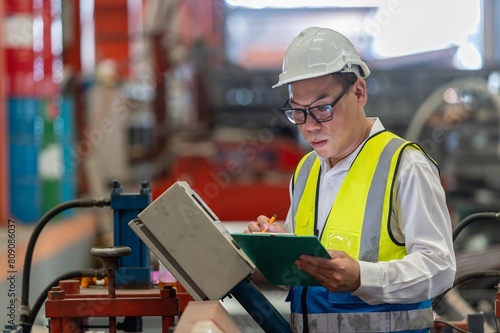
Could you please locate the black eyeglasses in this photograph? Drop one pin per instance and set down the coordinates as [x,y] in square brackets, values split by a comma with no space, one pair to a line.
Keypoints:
[320,113]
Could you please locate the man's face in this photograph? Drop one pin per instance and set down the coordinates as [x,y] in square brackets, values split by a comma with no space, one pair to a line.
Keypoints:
[335,139]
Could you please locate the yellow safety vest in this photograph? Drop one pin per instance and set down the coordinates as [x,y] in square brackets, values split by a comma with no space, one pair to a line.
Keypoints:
[358,222]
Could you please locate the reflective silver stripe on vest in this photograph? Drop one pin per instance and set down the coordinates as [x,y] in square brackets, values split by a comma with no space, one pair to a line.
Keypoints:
[370,234]
[365,321]
[300,184]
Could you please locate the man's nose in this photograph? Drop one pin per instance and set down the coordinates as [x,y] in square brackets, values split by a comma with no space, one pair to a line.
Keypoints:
[311,124]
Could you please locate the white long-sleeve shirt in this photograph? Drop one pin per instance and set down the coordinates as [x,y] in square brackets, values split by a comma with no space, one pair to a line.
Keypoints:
[419,218]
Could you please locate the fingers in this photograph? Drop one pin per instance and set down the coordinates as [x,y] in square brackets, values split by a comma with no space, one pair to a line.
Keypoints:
[310,263]
[316,266]
[316,271]
[342,273]
[276,227]
[253,227]
[263,220]
[259,225]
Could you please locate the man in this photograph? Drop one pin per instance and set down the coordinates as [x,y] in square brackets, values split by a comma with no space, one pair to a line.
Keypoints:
[374,200]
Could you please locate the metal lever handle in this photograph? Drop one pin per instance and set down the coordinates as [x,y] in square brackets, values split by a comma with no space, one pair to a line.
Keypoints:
[110,255]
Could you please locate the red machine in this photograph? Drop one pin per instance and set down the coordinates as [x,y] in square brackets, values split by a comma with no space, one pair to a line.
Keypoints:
[240,181]
[69,307]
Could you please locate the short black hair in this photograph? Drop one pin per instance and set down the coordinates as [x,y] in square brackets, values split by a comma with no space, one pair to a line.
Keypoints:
[344,78]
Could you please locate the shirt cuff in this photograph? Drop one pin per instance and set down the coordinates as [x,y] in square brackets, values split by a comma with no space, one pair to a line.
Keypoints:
[371,276]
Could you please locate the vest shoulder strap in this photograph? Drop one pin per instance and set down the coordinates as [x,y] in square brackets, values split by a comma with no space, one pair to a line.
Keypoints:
[300,178]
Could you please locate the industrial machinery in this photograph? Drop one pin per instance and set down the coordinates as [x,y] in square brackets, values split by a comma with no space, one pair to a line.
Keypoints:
[475,322]
[190,240]
[459,125]
[129,293]
[68,308]
[135,269]
[127,269]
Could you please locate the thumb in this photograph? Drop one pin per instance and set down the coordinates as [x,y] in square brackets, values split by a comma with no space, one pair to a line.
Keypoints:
[276,227]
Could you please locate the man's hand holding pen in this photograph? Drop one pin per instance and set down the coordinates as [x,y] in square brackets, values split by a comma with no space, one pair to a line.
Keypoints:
[265,224]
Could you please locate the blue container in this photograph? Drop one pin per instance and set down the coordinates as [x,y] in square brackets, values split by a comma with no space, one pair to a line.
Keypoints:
[25,135]
[70,161]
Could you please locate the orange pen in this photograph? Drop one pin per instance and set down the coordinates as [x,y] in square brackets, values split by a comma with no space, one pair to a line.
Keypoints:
[271,220]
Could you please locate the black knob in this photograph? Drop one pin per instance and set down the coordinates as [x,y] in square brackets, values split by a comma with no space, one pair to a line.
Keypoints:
[110,255]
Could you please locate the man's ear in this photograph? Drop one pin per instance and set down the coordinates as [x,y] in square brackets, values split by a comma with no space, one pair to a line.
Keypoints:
[360,91]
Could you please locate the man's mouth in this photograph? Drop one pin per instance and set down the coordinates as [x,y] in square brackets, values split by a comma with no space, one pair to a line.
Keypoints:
[318,144]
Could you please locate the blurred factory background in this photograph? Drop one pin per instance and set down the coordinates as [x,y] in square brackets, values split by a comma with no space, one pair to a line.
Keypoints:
[94,91]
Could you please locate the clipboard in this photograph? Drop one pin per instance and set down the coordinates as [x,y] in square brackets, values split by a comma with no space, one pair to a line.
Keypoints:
[275,255]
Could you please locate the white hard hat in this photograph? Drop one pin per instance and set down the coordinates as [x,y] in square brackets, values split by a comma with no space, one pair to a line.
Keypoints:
[317,52]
